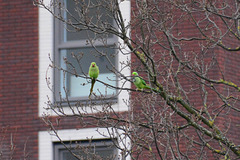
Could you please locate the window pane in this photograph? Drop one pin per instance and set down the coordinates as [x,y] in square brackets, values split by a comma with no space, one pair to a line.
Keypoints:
[66,155]
[78,86]
[96,15]
[99,149]
[103,152]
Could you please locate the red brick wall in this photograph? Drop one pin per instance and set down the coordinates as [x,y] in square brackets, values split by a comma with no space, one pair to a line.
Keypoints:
[19,77]
[227,65]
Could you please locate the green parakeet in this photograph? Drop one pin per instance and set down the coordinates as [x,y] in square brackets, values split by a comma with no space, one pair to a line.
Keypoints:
[93,74]
[139,82]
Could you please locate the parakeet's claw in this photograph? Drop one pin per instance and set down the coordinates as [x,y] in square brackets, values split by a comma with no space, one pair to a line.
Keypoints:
[137,89]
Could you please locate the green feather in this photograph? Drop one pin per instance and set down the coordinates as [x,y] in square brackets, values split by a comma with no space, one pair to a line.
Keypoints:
[139,82]
[93,74]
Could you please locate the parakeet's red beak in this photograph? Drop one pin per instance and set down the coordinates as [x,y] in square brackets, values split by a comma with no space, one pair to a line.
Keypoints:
[93,65]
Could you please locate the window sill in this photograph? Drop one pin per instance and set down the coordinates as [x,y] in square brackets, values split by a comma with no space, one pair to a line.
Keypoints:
[86,107]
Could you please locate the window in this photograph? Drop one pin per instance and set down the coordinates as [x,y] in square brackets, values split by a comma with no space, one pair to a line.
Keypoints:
[100,136]
[96,149]
[51,43]
[74,53]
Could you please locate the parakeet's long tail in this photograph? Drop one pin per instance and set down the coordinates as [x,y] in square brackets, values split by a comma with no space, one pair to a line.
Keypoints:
[91,90]
[148,87]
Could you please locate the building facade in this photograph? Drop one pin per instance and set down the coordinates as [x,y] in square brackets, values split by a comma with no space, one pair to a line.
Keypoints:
[30,39]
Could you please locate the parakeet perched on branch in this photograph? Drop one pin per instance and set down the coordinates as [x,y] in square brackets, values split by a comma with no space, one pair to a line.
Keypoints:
[139,82]
[93,74]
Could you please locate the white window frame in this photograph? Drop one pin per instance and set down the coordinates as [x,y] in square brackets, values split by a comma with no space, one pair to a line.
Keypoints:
[46,139]
[64,45]
[46,49]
